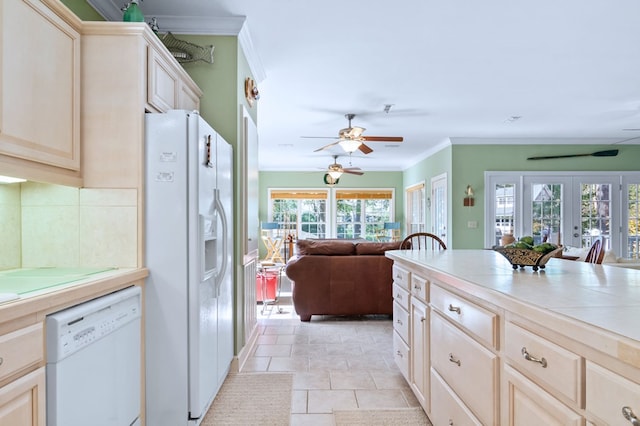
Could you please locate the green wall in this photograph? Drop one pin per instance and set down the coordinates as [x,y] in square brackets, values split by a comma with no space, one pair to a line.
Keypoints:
[83,10]
[467,164]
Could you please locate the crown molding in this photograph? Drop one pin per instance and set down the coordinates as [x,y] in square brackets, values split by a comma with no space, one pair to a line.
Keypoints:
[198,25]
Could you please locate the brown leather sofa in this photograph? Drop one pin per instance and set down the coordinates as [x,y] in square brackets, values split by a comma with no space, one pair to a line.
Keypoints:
[339,277]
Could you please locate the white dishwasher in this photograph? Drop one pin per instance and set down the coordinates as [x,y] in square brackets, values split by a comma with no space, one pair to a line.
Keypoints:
[93,362]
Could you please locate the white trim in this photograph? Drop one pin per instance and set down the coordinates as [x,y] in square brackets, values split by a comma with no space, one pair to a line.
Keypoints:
[197,25]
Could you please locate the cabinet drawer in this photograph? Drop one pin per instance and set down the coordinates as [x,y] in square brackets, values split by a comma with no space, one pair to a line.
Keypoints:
[401,296]
[555,367]
[607,393]
[477,320]
[401,321]
[401,276]
[21,349]
[401,354]
[468,368]
[527,403]
[420,287]
[447,408]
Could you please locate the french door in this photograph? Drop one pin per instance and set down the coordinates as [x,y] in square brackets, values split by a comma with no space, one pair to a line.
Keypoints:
[563,207]
[572,210]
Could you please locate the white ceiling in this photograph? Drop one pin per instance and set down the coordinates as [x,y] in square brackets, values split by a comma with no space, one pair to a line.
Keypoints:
[454,70]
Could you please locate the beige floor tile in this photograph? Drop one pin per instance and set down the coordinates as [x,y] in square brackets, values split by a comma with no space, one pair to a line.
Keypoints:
[389,379]
[270,339]
[312,380]
[352,379]
[339,363]
[379,399]
[289,364]
[299,402]
[328,363]
[273,350]
[254,365]
[312,420]
[325,401]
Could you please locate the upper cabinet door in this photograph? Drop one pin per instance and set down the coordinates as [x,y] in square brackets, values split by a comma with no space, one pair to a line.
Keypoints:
[40,82]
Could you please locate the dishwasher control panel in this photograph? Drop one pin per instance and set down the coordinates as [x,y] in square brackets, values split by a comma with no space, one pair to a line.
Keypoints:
[72,329]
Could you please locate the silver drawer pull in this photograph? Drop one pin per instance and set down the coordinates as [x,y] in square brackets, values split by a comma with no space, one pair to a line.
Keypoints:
[399,322]
[627,412]
[398,296]
[455,309]
[454,360]
[399,354]
[1,360]
[417,287]
[423,319]
[529,357]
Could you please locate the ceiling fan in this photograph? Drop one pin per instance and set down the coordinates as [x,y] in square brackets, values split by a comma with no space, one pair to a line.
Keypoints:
[351,139]
[336,170]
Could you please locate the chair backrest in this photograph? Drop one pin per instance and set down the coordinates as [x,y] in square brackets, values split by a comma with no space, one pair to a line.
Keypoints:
[422,241]
[596,252]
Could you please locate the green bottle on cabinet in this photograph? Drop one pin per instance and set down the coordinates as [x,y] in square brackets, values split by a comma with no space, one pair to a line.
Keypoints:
[133,13]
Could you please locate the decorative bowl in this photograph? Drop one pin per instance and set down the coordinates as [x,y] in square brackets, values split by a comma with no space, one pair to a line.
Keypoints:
[519,258]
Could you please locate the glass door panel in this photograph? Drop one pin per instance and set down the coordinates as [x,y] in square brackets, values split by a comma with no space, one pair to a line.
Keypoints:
[631,235]
[547,205]
[439,207]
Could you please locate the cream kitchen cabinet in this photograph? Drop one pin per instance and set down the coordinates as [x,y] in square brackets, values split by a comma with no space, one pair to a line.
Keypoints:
[22,396]
[22,402]
[40,91]
[521,348]
[126,72]
[419,379]
[401,327]
[167,88]
[611,398]
[528,404]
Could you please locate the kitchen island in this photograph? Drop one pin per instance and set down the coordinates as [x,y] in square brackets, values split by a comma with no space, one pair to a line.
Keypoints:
[22,336]
[482,343]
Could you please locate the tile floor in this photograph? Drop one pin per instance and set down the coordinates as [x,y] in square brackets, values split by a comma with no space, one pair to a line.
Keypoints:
[337,362]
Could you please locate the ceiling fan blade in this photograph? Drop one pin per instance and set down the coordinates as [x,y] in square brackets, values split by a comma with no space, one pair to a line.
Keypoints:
[326,146]
[608,153]
[318,137]
[352,172]
[383,138]
[365,149]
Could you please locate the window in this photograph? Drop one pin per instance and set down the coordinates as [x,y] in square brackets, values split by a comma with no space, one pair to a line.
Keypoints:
[358,213]
[302,212]
[362,213]
[415,202]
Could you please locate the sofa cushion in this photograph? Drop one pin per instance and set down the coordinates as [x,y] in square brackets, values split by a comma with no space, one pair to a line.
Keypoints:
[376,248]
[325,247]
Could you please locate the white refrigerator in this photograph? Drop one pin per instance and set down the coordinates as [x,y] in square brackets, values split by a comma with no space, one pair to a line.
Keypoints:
[189,254]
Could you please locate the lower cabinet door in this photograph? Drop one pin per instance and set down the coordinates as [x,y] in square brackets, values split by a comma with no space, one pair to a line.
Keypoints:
[22,402]
[614,399]
[420,349]
[447,408]
[527,404]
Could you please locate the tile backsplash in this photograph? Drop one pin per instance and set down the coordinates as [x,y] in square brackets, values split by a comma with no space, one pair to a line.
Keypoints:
[54,225]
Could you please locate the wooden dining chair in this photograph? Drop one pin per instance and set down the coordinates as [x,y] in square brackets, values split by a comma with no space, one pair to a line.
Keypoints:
[422,241]
[596,252]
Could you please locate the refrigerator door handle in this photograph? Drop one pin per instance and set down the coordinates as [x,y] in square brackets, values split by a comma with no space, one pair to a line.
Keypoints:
[223,218]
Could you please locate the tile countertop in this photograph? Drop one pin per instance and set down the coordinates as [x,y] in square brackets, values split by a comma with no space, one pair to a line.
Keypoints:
[69,292]
[601,296]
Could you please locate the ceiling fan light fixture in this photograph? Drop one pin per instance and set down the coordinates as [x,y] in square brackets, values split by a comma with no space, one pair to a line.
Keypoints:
[335,174]
[350,145]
